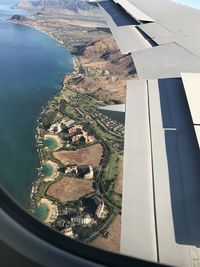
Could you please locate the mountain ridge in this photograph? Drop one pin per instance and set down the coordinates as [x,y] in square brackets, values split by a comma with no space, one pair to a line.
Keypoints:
[75,6]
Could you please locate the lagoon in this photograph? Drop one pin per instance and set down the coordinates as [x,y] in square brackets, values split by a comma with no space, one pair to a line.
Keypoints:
[47,170]
[41,212]
[50,143]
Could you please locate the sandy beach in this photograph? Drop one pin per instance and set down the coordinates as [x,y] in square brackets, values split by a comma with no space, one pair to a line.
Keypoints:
[54,174]
[57,138]
[52,210]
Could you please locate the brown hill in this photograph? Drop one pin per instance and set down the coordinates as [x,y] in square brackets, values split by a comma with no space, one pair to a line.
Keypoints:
[72,6]
[25,4]
[104,70]
[105,53]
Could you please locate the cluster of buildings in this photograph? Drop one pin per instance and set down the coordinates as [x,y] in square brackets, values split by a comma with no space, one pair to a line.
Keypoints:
[86,220]
[68,232]
[75,133]
[60,126]
[101,210]
[91,72]
[83,220]
[107,124]
[78,134]
[81,217]
[92,115]
[72,132]
[85,172]
[111,126]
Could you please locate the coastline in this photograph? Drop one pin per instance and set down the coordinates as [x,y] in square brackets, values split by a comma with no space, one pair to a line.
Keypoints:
[54,173]
[60,43]
[56,138]
[46,190]
[52,208]
[35,184]
[63,87]
[33,27]
[45,81]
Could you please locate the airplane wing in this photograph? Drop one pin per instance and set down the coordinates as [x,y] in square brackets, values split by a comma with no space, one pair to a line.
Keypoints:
[161,187]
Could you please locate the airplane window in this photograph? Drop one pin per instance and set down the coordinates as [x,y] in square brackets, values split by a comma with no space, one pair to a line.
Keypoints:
[100,131]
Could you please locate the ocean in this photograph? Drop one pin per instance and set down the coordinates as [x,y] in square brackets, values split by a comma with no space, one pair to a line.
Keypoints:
[32,66]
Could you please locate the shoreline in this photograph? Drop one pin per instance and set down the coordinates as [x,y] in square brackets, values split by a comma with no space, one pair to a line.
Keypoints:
[60,43]
[49,191]
[33,27]
[36,183]
[54,174]
[56,138]
[52,210]
[42,31]
[38,195]
[48,207]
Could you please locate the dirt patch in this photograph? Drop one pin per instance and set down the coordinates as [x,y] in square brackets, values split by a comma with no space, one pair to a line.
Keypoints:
[85,156]
[70,189]
[113,242]
[119,181]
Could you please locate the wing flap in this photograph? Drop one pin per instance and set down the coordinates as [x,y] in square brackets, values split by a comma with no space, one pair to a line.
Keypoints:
[122,27]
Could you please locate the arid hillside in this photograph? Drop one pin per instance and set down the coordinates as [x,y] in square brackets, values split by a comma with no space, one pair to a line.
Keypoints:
[105,53]
[70,6]
[104,71]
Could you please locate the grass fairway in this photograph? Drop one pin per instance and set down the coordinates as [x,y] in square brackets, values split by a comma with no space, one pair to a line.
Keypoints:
[117,199]
[102,134]
[110,178]
[112,168]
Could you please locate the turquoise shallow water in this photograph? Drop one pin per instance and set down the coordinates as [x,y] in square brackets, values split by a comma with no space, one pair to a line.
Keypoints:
[31,68]
[47,170]
[41,212]
[50,143]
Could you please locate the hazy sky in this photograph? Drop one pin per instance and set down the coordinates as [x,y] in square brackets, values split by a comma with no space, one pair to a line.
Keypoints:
[192,3]
[8,2]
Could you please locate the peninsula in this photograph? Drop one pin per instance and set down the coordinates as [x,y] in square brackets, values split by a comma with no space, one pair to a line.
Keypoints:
[80,149]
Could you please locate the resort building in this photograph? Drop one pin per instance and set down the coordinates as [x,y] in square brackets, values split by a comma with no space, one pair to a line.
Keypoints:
[60,126]
[86,172]
[75,128]
[55,128]
[72,169]
[90,174]
[100,211]
[87,220]
[78,134]
[68,232]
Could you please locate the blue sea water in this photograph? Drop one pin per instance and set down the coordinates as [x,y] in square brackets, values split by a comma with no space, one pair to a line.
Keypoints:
[31,68]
